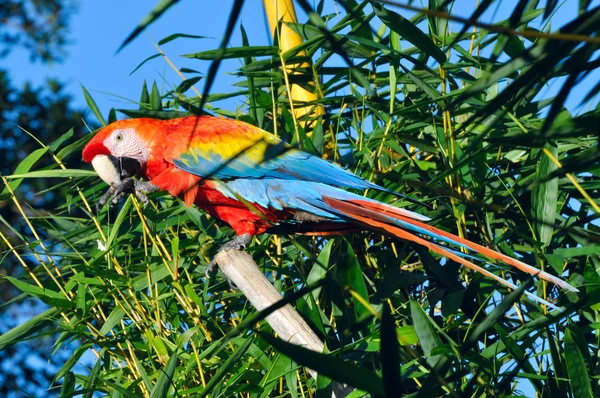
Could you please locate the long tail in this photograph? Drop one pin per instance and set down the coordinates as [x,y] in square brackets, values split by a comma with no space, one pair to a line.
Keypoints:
[398,222]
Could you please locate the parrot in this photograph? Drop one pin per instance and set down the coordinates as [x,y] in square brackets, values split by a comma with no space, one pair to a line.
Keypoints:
[257,183]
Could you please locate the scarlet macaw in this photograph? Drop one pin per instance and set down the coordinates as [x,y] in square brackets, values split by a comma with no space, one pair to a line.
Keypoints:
[256,183]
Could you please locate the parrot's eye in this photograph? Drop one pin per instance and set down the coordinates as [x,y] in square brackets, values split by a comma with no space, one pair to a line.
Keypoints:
[119,137]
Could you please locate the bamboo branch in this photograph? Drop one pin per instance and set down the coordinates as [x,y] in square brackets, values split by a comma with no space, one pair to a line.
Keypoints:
[239,268]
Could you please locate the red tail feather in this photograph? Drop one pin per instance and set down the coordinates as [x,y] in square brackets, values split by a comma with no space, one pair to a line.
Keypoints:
[373,214]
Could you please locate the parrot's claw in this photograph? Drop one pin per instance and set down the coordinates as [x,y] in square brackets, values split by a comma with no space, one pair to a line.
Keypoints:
[240,242]
[104,199]
[125,187]
[142,188]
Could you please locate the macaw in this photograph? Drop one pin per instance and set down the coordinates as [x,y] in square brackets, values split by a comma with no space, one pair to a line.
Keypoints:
[256,183]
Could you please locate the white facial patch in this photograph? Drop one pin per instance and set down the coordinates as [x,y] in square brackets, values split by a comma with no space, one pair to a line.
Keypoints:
[106,170]
[125,143]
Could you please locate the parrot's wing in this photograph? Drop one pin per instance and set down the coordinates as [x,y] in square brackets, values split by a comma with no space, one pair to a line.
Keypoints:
[268,161]
[256,156]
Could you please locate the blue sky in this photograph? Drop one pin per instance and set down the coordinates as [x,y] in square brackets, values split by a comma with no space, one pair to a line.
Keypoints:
[99,28]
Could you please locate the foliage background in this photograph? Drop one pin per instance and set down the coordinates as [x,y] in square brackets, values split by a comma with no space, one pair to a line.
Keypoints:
[459,119]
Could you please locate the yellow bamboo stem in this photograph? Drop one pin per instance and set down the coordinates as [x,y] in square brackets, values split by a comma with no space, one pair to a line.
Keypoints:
[283,11]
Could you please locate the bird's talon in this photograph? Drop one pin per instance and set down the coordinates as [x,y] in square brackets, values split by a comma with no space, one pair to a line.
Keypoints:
[104,199]
[128,185]
[211,269]
[240,242]
[142,197]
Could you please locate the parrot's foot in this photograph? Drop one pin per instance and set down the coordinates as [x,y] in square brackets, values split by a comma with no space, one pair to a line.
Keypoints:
[240,242]
[126,186]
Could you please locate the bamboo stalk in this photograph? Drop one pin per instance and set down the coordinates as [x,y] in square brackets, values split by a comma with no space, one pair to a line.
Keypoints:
[240,268]
[283,11]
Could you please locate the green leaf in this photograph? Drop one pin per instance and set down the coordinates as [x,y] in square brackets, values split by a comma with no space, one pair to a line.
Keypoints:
[514,47]
[348,47]
[156,12]
[59,173]
[33,290]
[592,283]
[187,84]
[220,373]
[54,145]
[92,379]
[68,386]
[93,107]
[112,116]
[320,268]
[28,328]
[155,98]
[407,335]
[350,275]
[165,380]
[165,115]
[334,368]
[409,32]
[142,64]
[578,373]
[72,361]
[144,97]
[498,312]
[430,91]
[74,147]
[123,212]
[112,320]
[544,197]
[23,167]
[428,337]
[179,35]
[237,52]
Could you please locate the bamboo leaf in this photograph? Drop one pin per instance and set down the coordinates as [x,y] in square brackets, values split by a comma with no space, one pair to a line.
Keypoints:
[330,366]
[142,64]
[428,337]
[67,173]
[578,373]
[112,320]
[157,11]
[165,380]
[236,52]
[179,36]
[28,328]
[93,107]
[409,32]
[237,354]
[545,197]
[23,167]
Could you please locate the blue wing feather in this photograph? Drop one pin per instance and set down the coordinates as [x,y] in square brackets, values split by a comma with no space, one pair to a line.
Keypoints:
[289,164]
[298,195]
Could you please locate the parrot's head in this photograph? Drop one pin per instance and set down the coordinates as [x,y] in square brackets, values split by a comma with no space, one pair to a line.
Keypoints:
[119,150]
